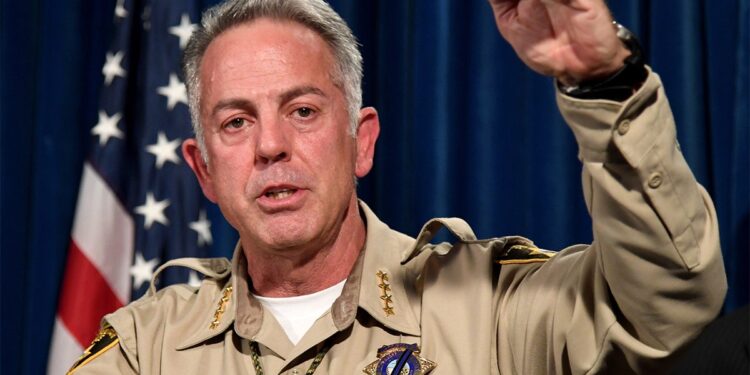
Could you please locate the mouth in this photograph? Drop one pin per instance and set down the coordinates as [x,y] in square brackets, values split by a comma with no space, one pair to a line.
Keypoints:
[281,198]
[279,193]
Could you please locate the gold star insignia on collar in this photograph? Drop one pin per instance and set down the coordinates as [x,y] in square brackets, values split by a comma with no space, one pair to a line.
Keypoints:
[221,307]
[385,292]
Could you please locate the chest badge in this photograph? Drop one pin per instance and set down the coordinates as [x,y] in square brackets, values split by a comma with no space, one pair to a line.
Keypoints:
[399,359]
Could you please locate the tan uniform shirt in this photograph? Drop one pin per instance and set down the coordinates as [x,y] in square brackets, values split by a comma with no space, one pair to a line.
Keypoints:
[652,278]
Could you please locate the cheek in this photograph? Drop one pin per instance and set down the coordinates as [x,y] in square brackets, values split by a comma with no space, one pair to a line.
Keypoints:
[230,167]
[229,183]
[340,167]
[331,154]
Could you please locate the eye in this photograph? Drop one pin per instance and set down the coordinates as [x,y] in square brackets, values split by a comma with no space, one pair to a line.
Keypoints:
[304,112]
[236,123]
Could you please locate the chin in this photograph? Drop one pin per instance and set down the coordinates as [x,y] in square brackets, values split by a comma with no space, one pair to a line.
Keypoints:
[283,237]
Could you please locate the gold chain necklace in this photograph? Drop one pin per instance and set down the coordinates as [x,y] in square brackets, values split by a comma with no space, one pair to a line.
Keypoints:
[254,354]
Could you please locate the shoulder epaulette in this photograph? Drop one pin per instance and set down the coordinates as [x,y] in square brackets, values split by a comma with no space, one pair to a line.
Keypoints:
[214,268]
[523,253]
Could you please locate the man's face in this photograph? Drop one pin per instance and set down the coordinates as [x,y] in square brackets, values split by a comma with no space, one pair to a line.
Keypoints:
[281,159]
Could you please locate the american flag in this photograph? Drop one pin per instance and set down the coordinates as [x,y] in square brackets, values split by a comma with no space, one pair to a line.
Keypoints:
[139,204]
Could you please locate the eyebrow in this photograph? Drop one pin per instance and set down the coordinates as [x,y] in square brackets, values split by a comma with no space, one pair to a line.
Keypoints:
[295,92]
[233,103]
[284,97]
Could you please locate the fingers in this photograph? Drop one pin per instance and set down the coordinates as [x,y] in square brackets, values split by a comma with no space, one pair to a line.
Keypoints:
[504,9]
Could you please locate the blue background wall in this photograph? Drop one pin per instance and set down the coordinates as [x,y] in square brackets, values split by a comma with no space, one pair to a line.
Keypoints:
[467,131]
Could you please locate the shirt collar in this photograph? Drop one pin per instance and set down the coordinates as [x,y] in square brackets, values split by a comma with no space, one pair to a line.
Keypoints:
[216,301]
[392,305]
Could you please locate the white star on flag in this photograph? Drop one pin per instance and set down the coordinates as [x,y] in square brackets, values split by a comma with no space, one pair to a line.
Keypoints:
[193,279]
[142,270]
[183,30]
[164,150]
[203,227]
[175,91]
[112,67]
[153,211]
[120,10]
[107,128]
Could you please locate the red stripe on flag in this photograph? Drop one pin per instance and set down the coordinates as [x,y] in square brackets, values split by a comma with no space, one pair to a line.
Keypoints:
[85,297]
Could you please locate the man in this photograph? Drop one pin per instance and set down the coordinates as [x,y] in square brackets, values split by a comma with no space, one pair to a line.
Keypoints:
[319,285]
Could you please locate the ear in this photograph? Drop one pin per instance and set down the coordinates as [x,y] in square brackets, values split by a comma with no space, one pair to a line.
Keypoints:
[194,157]
[367,134]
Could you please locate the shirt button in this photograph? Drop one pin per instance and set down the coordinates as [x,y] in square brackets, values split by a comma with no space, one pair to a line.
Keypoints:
[654,181]
[295,372]
[623,127]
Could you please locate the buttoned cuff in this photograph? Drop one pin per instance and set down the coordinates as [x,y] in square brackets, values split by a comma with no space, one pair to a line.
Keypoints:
[616,132]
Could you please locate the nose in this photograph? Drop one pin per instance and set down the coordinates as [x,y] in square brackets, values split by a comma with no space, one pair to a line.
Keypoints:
[272,143]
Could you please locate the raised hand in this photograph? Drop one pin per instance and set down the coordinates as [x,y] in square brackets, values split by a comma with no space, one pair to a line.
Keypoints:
[571,40]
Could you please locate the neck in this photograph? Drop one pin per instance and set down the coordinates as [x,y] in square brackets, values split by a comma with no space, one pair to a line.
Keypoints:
[309,270]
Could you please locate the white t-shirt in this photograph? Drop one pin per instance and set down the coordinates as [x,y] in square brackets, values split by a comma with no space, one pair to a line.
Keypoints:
[297,314]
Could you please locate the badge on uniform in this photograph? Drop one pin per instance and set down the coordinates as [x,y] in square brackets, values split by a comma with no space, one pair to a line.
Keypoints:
[104,340]
[399,359]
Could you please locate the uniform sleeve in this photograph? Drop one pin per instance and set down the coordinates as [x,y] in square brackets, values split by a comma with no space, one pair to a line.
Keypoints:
[653,276]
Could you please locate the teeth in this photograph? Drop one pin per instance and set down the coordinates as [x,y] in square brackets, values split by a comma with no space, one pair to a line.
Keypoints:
[281,194]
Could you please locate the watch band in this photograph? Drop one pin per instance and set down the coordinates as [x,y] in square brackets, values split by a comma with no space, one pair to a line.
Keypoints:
[623,83]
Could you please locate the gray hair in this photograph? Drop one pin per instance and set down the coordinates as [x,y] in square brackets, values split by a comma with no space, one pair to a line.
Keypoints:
[314,14]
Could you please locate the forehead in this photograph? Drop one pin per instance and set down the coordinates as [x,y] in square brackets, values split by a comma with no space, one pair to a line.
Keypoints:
[265,50]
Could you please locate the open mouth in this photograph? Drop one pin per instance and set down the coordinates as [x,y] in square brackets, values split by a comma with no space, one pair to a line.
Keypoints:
[279,194]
